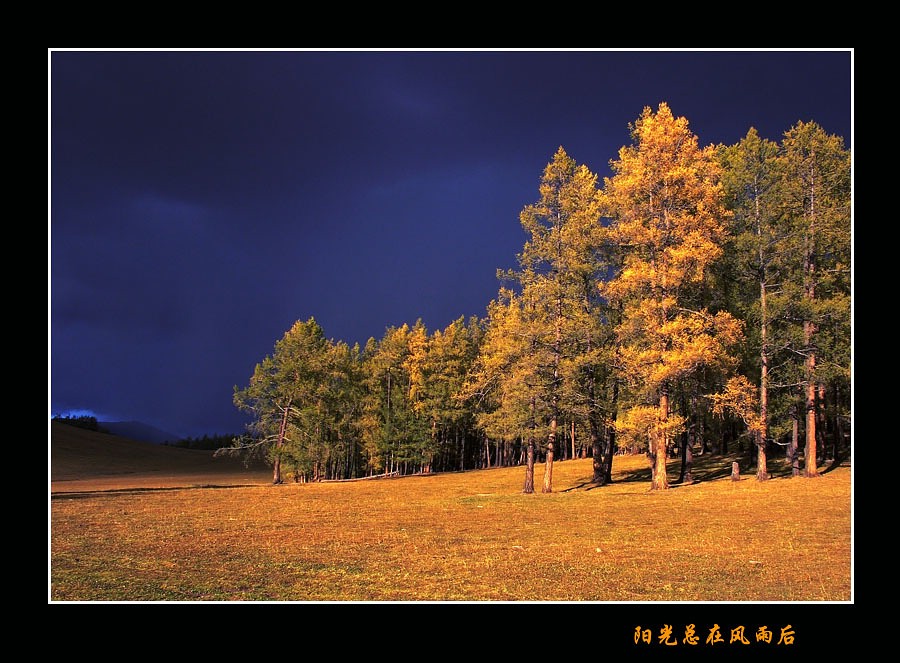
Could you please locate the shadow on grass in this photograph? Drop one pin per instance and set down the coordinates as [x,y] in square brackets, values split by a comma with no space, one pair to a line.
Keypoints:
[710,467]
[75,495]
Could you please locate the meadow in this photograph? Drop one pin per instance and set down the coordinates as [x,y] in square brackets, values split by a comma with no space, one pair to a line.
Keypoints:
[204,532]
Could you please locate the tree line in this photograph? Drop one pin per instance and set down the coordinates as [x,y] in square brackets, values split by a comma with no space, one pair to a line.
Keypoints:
[205,443]
[86,422]
[694,297]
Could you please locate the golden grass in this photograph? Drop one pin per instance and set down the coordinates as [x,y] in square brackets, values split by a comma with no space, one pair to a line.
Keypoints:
[470,536]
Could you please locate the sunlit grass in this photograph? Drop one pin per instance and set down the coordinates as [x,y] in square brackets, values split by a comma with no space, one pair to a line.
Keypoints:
[469,536]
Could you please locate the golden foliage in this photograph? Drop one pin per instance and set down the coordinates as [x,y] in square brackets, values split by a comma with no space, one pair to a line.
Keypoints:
[739,397]
[669,215]
[640,426]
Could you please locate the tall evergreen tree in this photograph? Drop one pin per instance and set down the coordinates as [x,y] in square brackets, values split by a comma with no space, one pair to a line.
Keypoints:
[816,171]
[450,355]
[588,257]
[755,252]
[395,435]
[285,396]
[504,386]
[344,406]
[557,268]
[665,201]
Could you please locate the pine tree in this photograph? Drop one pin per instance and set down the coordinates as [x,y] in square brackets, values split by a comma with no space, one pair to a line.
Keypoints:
[557,270]
[285,397]
[588,381]
[439,383]
[665,200]
[816,171]
[395,437]
[344,407]
[755,253]
[504,387]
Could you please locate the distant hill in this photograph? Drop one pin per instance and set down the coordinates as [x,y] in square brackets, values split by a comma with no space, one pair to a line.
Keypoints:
[136,430]
[76,453]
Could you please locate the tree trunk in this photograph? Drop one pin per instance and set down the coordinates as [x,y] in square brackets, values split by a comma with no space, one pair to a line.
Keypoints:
[529,454]
[809,330]
[687,459]
[573,441]
[838,427]
[610,441]
[794,447]
[687,451]
[276,471]
[762,472]
[810,467]
[701,434]
[529,467]
[693,433]
[548,461]
[434,445]
[597,455]
[557,348]
[821,422]
[688,462]
[660,481]
[276,468]
[599,476]
[609,450]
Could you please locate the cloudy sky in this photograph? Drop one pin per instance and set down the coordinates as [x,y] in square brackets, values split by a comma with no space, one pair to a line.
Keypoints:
[200,202]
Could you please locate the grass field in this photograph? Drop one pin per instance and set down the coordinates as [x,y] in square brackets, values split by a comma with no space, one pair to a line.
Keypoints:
[182,528]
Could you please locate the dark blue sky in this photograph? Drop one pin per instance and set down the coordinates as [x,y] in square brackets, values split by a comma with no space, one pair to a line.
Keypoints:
[201,202]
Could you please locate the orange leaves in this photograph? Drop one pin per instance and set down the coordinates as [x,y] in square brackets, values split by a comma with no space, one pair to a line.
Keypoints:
[739,397]
[662,342]
[415,364]
[669,216]
[641,425]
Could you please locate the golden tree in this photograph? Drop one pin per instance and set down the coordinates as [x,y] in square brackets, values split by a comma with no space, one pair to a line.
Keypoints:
[666,205]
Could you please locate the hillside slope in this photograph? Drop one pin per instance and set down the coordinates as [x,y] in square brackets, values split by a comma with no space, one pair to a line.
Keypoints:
[136,430]
[79,454]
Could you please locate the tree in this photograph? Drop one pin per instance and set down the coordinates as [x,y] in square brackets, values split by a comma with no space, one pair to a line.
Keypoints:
[665,201]
[344,406]
[502,386]
[587,257]
[393,351]
[82,421]
[438,369]
[557,270]
[756,245]
[395,435]
[541,278]
[816,171]
[284,396]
